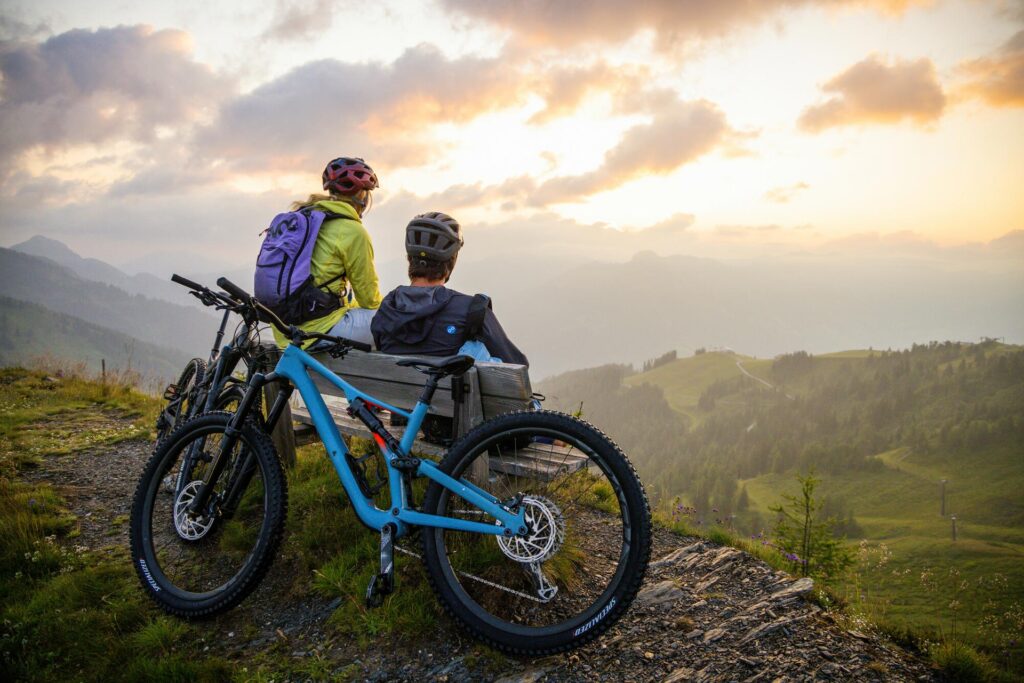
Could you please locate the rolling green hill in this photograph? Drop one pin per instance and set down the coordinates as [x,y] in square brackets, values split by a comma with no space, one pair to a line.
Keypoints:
[29,331]
[44,282]
[880,428]
[685,379]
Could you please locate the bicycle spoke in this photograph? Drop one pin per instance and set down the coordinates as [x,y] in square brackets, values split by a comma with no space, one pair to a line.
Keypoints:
[569,558]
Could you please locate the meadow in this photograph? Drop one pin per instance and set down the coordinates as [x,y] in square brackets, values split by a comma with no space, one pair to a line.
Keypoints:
[881,430]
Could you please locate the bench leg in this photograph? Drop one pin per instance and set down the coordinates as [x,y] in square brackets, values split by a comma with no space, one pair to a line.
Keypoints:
[479,472]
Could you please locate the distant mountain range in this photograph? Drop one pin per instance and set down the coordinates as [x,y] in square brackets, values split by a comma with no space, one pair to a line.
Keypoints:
[595,313]
[565,312]
[29,331]
[99,271]
[187,329]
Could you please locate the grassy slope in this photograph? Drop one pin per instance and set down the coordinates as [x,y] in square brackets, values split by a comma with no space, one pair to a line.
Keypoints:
[897,506]
[29,331]
[683,380]
[899,509]
[70,615]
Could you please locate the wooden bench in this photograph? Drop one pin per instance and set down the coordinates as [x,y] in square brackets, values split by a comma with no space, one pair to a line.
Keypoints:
[487,390]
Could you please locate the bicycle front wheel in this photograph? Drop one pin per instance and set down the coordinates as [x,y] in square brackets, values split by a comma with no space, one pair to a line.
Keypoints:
[198,566]
[582,562]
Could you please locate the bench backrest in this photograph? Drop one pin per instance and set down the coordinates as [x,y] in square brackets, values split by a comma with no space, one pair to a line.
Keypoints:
[494,388]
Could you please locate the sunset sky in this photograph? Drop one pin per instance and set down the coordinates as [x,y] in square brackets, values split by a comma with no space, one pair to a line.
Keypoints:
[148,133]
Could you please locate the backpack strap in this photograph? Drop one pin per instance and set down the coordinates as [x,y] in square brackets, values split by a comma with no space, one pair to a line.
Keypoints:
[478,308]
[328,215]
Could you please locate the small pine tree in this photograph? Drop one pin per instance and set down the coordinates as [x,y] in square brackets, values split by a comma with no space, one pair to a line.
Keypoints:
[805,538]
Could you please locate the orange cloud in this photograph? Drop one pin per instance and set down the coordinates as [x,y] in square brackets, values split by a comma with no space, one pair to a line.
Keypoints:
[998,79]
[679,133]
[564,89]
[382,112]
[544,22]
[874,91]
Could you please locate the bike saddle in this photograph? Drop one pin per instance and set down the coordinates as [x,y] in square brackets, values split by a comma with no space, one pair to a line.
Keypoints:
[442,367]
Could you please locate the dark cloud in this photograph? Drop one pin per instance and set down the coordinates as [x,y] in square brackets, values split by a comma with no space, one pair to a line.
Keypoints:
[294,21]
[785,194]
[875,91]
[87,86]
[999,78]
[544,22]
[679,133]
[373,110]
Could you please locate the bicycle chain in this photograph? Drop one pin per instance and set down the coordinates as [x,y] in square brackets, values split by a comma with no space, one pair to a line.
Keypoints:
[477,578]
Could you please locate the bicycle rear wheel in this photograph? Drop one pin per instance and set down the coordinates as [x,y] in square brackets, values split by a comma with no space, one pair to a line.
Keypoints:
[584,559]
[198,567]
[186,401]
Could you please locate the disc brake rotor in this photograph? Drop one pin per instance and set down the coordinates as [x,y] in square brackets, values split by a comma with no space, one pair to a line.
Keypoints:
[546,532]
[188,528]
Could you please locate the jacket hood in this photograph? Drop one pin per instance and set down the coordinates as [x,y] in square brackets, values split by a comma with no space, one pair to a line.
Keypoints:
[335,206]
[408,314]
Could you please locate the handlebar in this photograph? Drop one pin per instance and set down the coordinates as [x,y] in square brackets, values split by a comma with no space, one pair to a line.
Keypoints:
[211,298]
[233,289]
[245,302]
[345,341]
[186,282]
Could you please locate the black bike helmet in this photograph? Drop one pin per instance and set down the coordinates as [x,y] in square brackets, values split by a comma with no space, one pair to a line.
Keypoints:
[433,236]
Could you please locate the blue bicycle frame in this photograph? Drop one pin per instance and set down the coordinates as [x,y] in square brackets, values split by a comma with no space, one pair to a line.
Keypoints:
[295,365]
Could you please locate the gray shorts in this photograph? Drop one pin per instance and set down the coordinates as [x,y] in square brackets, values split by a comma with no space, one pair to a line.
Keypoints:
[355,325]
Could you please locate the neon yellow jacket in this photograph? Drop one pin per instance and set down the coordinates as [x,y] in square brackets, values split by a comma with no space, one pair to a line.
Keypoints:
[343,248]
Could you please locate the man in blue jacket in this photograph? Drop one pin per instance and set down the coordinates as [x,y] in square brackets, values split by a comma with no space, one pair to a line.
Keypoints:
[425,317]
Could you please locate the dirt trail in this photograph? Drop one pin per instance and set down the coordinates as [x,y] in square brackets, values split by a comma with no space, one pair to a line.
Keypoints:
[706,613]
[739,364]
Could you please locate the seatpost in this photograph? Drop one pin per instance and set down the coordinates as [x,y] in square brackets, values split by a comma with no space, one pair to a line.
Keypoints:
[429,388]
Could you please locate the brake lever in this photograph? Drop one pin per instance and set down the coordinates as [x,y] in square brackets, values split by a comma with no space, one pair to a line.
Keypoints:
[338,350]
[205,298]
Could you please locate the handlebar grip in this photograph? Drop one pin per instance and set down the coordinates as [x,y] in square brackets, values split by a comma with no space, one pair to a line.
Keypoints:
[233,289]
[359,346]
[186,282]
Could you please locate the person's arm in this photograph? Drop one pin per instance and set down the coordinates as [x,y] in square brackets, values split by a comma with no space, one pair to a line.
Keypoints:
[498,343]
[357,257]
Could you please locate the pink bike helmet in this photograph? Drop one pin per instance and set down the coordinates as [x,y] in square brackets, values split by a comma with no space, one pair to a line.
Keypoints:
[348,176]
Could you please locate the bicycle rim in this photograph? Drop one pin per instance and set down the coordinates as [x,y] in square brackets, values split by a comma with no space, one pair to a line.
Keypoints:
[196,559]
[567,570]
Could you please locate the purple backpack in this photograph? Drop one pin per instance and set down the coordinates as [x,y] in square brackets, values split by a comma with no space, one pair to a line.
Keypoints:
[284,282]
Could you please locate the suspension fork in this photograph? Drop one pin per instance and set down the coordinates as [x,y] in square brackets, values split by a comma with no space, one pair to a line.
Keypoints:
[243,474]
[231,434]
